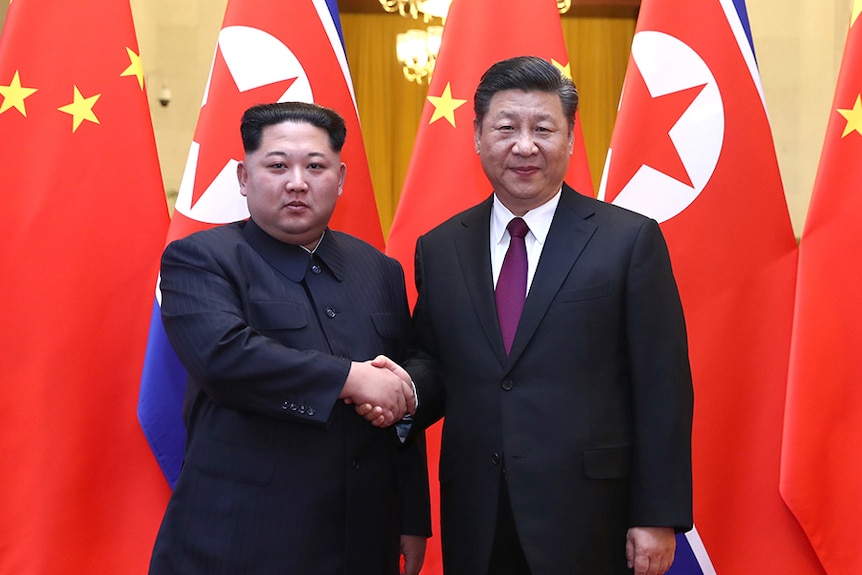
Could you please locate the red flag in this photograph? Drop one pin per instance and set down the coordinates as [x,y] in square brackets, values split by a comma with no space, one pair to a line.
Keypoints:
[445,175]
[272,51]
[821,472]
[85,224]
[692,148]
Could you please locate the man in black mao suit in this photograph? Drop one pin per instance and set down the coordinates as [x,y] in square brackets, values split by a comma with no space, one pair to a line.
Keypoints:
[276,319]
[570,452]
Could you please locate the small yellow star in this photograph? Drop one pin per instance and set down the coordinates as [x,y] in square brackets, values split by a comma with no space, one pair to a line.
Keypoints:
[564,70]
[853,117]
[857,9]
[81,109]
[14,95]
[445,106]
[135,68]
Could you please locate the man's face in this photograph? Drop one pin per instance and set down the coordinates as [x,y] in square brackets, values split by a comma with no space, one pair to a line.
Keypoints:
[524,143]
[292,182]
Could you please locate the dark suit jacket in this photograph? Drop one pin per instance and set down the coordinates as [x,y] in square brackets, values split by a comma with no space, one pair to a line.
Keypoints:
[590,413]
[280,476]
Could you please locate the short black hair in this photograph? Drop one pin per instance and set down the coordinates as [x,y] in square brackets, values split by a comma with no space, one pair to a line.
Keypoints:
[256,118]
[527,73]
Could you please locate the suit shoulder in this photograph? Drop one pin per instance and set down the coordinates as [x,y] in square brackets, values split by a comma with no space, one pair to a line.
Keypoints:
[354,246]
[607,212]
[214,236]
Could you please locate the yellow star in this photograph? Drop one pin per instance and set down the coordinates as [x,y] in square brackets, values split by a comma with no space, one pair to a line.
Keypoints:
[445,106]
[81,109]
[14,95]
[853,117]
[135,68]
[564,70]
[857,9]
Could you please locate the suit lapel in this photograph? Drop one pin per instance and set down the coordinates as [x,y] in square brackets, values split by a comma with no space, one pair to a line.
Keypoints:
[474,256]
[570,232]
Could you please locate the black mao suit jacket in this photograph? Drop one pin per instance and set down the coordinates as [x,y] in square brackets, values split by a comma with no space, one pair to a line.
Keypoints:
[590,414]
[280,476]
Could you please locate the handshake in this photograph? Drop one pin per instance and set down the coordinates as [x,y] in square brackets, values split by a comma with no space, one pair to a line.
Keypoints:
[381,391]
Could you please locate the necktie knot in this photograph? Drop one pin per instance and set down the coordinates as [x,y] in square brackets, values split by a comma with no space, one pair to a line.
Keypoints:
[517,228]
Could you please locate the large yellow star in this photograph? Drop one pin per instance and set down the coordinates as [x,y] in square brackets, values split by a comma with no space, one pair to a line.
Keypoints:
[135,67]
[14,95]
[853,117]
[445,106]
[564,70]
[81,109]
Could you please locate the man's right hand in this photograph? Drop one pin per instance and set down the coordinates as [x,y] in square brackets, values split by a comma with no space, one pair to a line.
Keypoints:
[385,395]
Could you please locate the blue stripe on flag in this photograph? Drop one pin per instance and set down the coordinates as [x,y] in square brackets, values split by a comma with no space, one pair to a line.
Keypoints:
[685,562]
[160,402]
[743,18]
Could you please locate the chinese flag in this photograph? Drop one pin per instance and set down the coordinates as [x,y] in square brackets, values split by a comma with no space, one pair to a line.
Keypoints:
[821,471]
[267,51]
[692,148]
[445,175]
[85,224]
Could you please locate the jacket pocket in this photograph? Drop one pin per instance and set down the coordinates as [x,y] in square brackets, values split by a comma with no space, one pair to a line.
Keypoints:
[276,315]
[585,293]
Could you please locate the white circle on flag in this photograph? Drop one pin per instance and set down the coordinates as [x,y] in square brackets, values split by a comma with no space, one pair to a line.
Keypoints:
[668,65]
[254,59]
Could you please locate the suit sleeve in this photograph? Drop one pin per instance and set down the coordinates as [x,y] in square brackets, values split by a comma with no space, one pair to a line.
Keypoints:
[235,364]
[662,395]
[421,363]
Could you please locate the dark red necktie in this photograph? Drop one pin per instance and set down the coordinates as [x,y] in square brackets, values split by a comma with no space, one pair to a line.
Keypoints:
[512,283]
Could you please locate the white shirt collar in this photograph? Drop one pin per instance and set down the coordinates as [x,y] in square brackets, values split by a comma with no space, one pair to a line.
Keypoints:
[538,219]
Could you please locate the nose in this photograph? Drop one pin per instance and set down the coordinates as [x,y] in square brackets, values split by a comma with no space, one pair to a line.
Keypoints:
[295,181]
[525,144]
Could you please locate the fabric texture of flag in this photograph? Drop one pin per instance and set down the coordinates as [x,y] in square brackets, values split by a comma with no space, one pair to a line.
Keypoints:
[445,175]
[820,469]
[692,148]
[86,219]
[267,51]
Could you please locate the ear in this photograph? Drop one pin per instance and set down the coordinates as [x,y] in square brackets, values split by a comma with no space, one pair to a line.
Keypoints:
[341,176]
[477,133]
[242,178]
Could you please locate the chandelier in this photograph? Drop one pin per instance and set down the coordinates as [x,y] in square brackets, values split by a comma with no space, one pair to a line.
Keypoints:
[417,49]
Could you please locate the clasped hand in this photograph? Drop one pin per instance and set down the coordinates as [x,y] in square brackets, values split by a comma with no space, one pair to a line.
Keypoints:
[381,391]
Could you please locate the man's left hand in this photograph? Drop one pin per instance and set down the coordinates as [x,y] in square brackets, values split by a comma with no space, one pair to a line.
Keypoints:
[650,550]
[413,550]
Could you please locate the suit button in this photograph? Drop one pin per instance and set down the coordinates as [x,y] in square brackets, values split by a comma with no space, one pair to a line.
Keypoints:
[507,384]
[285,405]
[330,312]
[315,269]
[310,411]
[356,466]
[495,459]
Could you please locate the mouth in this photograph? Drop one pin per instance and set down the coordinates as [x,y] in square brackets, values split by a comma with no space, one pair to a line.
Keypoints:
[524,170]
[295,206]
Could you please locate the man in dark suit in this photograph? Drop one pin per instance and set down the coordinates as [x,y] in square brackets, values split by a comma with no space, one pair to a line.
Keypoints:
[567,430]
[276,319]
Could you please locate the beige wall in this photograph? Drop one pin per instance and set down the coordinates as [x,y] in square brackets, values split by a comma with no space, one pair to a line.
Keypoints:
[798,43]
